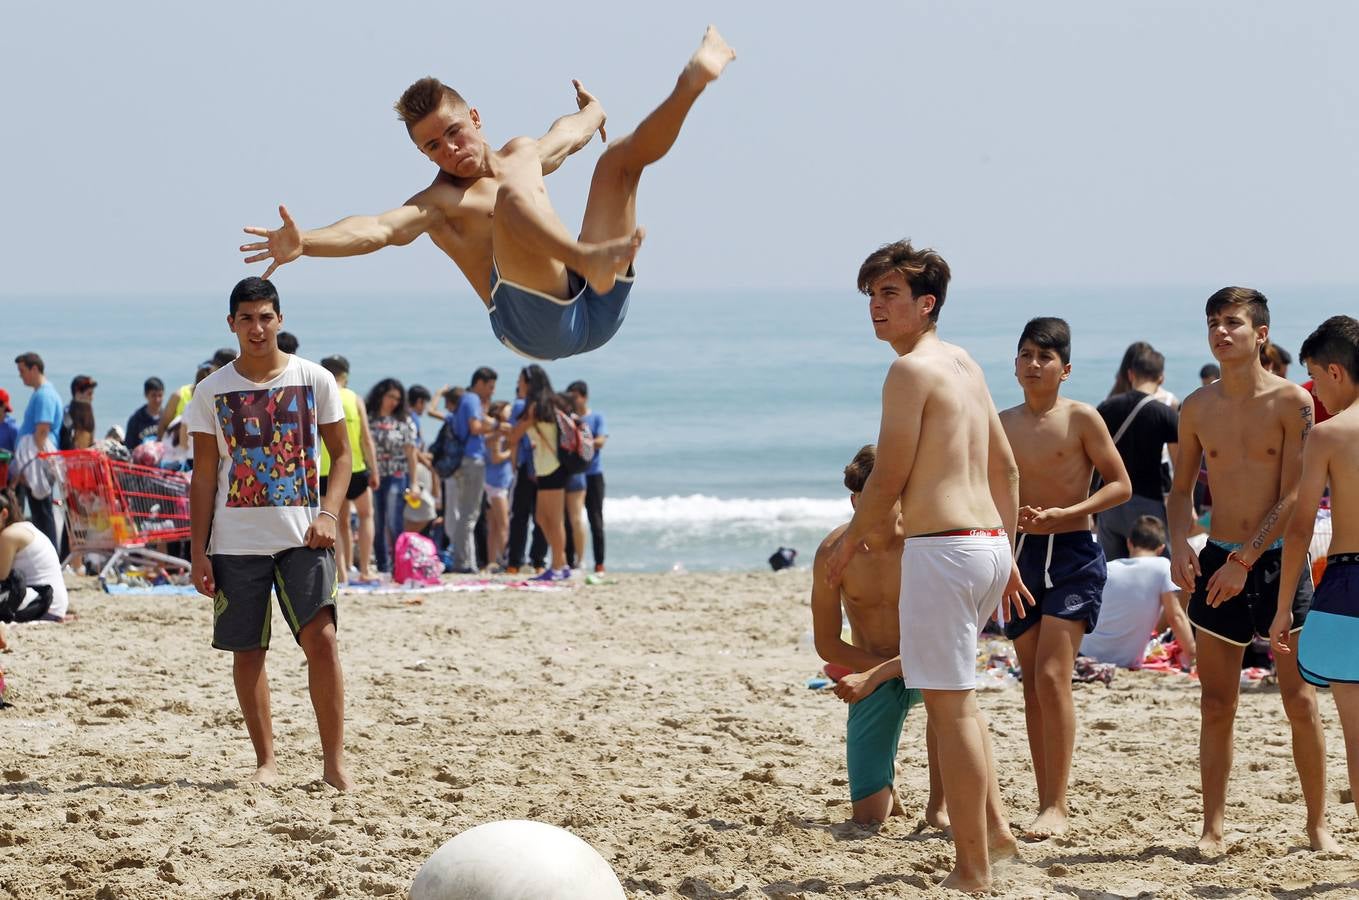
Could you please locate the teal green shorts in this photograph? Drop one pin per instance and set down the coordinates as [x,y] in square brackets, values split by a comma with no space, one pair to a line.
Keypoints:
[872,736]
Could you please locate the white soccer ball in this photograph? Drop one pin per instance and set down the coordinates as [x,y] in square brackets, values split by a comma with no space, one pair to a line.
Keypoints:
[516,860]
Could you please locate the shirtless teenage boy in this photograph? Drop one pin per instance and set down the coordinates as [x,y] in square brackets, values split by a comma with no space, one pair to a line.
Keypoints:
[1325,648]
[878,699]
[1056,442]
[942,454]
[1251,425]
[549,295]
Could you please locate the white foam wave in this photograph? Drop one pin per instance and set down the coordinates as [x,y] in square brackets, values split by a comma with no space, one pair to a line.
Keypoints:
[700,509]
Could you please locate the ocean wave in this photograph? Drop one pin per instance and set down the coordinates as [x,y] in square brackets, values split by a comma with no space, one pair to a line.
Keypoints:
[700,509]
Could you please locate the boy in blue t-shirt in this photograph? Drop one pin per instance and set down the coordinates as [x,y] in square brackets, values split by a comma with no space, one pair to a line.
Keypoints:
[42,420]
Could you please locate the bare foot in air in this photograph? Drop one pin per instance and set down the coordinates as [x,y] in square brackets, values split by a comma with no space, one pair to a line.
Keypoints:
[1050,823]
[709,59]
[337,777]
[600,264]
[265,774]
[1321,840]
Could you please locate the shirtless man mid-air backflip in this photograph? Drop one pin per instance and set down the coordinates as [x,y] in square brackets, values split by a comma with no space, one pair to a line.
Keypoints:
[549,295]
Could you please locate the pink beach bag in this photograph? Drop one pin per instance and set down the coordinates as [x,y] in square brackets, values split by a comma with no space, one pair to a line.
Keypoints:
[416,559]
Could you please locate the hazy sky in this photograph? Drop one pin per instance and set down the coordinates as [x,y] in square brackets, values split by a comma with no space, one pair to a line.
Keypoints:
[1046,142]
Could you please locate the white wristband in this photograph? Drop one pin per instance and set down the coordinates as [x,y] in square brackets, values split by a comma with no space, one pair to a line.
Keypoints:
[326,512]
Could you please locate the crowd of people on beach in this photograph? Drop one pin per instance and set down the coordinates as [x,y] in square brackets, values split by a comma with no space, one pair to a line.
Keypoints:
[472,491]
[1077,529]
[1143,513]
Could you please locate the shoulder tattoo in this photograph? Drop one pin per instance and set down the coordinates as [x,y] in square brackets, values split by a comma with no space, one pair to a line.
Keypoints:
[1306,421]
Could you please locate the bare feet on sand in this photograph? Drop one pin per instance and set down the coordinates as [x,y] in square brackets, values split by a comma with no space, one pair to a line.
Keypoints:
[265,774]
[709,59]
[338,778]
[1211,845]
[1321,840]
[936,817]
[1049,823]
[1002,846]
[968,884]
[600,264]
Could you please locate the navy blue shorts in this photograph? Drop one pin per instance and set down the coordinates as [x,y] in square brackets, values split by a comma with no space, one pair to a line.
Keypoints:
[1326,646]
[1065,573]
[1250,613]
[541,326]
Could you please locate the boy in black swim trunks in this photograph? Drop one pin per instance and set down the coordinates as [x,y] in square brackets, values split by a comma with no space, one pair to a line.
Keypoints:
[1325,649]
[260,523]
[1249,427]
[1057,443]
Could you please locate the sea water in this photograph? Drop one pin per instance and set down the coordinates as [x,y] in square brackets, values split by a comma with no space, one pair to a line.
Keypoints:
[731,415]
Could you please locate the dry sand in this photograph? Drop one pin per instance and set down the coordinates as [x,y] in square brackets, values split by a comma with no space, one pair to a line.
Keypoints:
[662,718]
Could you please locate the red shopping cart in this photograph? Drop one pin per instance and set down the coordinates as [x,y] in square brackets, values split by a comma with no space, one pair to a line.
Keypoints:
[120,508]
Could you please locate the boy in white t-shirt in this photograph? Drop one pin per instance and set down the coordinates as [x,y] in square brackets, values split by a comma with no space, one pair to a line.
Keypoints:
[257,424]
[1137,591]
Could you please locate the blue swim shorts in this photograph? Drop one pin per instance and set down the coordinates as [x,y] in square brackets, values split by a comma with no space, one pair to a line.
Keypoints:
[872,736]
[541,326]
[1065,573]
[1326,647]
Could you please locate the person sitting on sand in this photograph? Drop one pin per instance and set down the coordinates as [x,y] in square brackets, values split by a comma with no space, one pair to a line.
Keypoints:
[1137,593]
[1057,443]
[260,523]
[549,295]
[878,699]
[26,550]
[1325,648]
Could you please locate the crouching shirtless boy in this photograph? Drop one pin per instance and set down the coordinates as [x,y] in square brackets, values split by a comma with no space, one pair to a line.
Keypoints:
[878,699]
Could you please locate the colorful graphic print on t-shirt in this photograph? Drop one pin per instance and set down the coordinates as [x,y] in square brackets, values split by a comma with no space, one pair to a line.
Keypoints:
[271,438]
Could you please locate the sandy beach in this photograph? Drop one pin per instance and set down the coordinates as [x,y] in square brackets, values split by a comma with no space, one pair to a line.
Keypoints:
[662,718]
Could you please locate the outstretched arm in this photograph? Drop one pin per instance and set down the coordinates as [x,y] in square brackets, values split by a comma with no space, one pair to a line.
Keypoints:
[351,236]
[570,133]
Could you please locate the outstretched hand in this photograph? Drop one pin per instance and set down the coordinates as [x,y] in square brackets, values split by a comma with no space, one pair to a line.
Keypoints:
[583,99]
[282,245]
